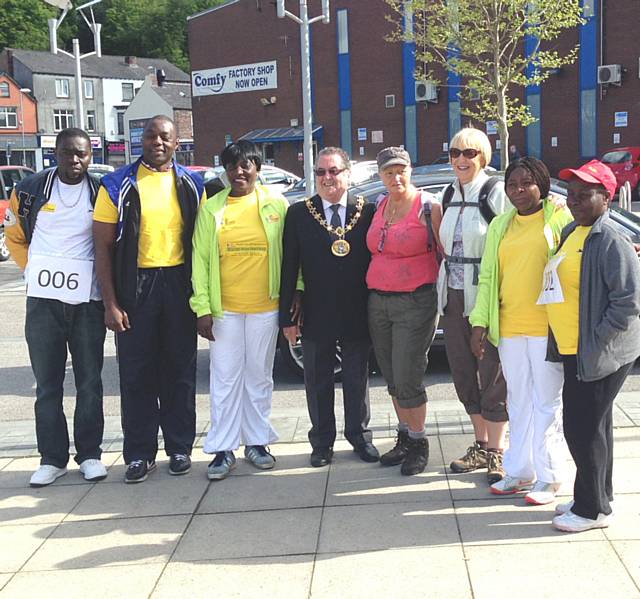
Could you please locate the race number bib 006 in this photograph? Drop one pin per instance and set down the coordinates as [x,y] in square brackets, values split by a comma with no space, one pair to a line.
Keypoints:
[551,289]
[65,279]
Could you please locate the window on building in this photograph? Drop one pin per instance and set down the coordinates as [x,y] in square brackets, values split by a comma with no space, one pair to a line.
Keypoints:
[390,101]
[62,119]
[91,120]
[88,89]
[8,117]
[62,88]
[127,92]
[120,115]
[4,90]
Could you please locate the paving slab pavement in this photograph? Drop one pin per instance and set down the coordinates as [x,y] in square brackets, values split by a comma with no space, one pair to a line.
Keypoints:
[350,530]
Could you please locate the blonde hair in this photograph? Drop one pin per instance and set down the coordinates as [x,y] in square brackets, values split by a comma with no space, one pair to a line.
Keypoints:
[470,137]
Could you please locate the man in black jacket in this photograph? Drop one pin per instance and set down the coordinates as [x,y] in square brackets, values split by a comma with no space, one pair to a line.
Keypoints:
[48,228]
[325,238]
[143,224]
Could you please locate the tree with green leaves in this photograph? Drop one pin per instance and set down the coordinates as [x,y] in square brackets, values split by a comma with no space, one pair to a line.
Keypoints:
[483,42]
[23,24]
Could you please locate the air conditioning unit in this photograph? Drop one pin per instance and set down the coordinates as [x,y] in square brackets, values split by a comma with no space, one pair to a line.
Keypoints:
[610,73]
[426,91]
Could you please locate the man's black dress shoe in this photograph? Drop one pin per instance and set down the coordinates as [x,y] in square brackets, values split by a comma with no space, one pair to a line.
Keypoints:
[367,452]
[321,456]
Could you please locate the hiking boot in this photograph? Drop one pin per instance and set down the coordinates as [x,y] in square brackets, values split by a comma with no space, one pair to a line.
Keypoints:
[475,458]
[395,456]
[495,471]
[259,457]
[417,456]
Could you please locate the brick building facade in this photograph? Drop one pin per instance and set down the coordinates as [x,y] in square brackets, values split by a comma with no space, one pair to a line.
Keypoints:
[363,89]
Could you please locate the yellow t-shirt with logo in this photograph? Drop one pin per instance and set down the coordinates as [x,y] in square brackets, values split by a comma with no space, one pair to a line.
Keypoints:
[522,256]
[244,260]
[161,222]
[564,317]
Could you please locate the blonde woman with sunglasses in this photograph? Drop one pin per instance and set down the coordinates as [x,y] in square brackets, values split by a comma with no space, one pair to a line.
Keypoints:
[479,383]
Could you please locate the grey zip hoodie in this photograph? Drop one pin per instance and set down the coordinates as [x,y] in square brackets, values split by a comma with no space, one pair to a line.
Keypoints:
[609,327]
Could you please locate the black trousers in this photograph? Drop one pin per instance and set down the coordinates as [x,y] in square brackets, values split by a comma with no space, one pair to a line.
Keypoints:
[157,362]
[588,429]
[319,361]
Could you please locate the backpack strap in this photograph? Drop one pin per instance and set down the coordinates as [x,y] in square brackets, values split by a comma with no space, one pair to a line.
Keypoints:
[446,197]
[432,244]
[483,199]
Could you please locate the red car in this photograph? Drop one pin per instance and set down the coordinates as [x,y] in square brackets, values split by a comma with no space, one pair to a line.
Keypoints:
[625,164]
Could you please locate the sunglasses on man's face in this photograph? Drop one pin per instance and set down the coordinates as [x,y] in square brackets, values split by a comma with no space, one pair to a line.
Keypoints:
[333,171]
[469,153]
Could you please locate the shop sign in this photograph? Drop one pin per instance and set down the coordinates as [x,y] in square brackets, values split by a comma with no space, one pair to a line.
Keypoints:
[239,78]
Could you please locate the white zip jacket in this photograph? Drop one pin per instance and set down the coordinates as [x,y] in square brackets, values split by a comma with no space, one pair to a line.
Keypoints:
[474,233]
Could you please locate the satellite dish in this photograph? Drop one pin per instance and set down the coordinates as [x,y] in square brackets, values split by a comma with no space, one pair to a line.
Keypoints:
[61,4]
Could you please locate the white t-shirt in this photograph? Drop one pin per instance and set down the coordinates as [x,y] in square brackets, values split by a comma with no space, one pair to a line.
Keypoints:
[64,227]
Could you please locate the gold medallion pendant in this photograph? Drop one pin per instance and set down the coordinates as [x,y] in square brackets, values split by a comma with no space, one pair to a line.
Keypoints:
[340,247]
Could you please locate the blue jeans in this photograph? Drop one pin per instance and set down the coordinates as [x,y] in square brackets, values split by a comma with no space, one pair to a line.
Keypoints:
[51,326]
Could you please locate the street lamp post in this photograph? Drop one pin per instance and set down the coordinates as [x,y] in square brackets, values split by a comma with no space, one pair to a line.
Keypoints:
[23,90]
[66,5]
[307,115]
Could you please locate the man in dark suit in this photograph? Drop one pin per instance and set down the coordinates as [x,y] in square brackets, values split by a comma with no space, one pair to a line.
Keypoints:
[325,238]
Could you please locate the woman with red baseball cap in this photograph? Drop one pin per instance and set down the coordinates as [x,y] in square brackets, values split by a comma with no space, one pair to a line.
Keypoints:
[592,293]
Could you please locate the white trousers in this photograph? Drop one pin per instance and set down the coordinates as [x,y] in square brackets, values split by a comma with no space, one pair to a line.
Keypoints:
[241,379]
[537,447]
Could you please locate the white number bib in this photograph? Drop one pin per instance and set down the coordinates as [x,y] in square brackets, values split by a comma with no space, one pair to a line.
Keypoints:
[64,279]
[551,289]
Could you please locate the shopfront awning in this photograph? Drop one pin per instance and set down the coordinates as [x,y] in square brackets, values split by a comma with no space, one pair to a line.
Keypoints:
[279,134]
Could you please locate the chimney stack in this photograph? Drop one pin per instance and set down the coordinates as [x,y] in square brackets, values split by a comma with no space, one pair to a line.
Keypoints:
[132,61]
[160,76]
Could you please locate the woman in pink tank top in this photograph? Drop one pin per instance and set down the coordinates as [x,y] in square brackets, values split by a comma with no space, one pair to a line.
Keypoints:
[403,301]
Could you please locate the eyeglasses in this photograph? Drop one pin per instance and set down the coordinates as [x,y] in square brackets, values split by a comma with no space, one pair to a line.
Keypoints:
[469,153]
[333,171]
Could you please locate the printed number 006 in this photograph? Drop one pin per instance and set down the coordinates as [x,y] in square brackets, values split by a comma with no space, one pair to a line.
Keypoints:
[58,279]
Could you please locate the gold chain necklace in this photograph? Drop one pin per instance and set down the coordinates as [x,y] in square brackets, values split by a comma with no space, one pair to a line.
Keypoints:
[340,247]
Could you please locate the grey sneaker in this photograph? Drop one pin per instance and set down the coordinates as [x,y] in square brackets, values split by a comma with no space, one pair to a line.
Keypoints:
[259,456]
[222,464]
[475,458]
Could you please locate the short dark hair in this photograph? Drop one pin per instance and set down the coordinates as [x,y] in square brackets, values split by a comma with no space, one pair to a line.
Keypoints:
[69,133]
[536,168]
[240,151]
[329,150]
[163,118]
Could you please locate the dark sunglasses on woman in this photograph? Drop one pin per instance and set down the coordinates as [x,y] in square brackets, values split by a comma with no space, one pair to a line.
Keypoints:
[469,153]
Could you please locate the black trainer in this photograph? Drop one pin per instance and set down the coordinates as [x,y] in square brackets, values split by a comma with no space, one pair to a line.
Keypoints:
[395,456]
[417,456]
[137,470]
[179,463]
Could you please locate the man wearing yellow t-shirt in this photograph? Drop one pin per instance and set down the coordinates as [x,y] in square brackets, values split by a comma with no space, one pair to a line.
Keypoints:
[143,224]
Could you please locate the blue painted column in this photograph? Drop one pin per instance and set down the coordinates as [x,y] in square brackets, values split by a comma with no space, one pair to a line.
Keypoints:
[532,99]
[344,81]
[409,88]
[453,99]
[588,64]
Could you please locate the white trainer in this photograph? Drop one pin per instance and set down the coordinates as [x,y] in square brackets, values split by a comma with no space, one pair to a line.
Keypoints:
[571,522]
[563,508]
[45,475]
[542,493]
[93,470]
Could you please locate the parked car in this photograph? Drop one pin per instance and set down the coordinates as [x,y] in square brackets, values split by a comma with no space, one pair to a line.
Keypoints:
[100,170]
[9,176]
[215,178]
[625,164]
[292,355]
[361,172]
